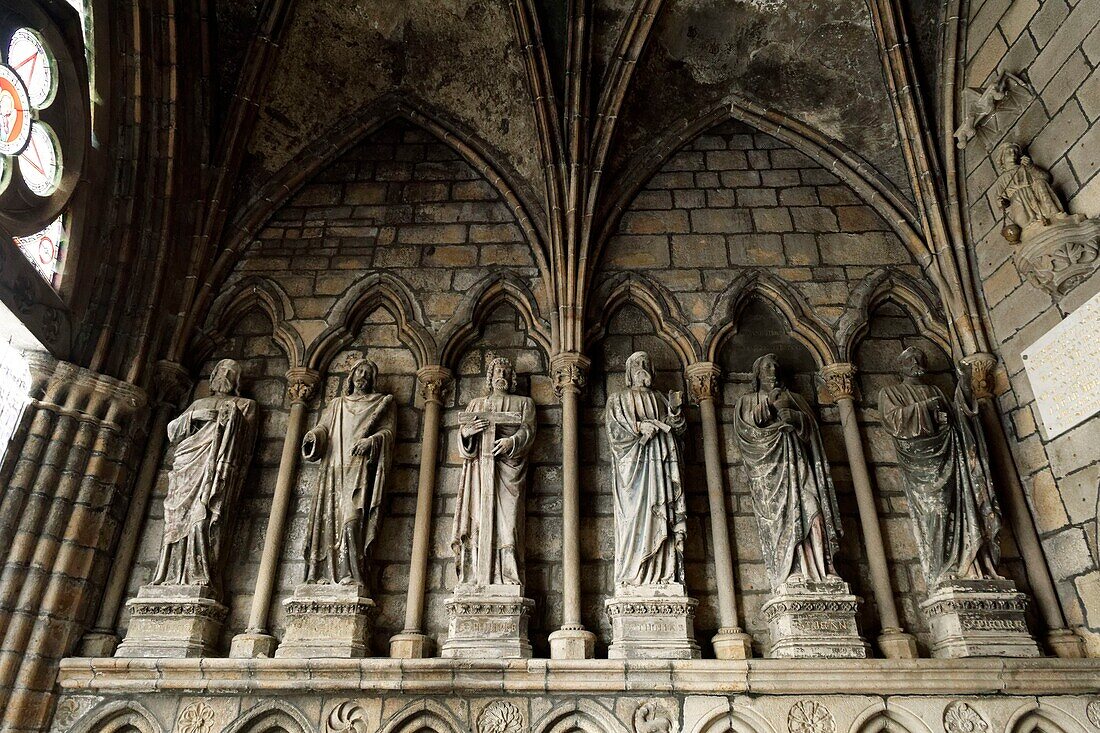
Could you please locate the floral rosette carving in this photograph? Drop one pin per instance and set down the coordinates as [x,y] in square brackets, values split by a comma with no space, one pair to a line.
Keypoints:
[500,717]
[959,717]
[197,717]
[1092,711]
[807,716]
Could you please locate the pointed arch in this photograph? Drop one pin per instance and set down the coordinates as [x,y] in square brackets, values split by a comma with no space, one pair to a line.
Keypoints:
[328,147]
[263,717]
[659,305]
[420,716]
[252,292]
[379,290]
[498,288]
[734,719]
[892,719]
[579,715]
[1030,719]
[888,284]
[806,327]
[873,188]
[118,716]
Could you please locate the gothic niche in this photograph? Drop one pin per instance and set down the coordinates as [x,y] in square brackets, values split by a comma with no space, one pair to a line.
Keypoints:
[1055,250]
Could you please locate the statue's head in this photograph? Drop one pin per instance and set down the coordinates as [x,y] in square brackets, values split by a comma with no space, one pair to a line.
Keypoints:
[226,377]
[765,373]
[639,371]
[500,375]
[912,362]
[1008,156]
[361,378]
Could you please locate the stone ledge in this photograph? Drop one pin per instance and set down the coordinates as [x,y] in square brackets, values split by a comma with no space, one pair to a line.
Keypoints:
[1046,676]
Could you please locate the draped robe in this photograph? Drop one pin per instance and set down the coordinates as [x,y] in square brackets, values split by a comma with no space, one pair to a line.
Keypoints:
[789,479]
[946,479]
[215,438]
[343,516]
[510,477]
[649,497]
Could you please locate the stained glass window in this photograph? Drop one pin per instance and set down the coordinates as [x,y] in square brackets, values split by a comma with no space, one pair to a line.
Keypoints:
[46,250]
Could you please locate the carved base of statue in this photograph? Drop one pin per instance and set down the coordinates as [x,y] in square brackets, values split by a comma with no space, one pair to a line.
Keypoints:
[1059,256]
[814,619]
[488,622]
[652,622]
[979,618]
[173,621]
[327,620]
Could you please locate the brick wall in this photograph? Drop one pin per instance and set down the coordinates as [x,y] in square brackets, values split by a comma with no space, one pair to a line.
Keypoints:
[1055,45]
[730,202]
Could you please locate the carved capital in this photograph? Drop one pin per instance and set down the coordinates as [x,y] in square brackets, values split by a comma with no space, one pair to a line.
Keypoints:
[704,381]
[979,368]
[569,371]
[301,384]
[840,380]
[433,383]
[171,381]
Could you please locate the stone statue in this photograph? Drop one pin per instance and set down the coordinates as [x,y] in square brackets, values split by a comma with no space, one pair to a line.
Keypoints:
[946,474]
[353,440]
[650,513]
[792,490]
[213,441]
[1025,194]
[494,440]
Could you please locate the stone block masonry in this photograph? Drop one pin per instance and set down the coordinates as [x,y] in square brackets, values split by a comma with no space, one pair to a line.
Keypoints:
[1055,45]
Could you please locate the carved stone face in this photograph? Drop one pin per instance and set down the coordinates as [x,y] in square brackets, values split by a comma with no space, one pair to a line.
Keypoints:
[1008,157]
[225,377]
[911,363]
[501,375]
[638,370]
[361,378]
[768,372]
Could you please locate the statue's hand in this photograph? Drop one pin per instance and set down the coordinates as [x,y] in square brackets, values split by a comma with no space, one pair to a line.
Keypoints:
[647,431]
[364,447]
[762,413]
[473,428]
[503,446]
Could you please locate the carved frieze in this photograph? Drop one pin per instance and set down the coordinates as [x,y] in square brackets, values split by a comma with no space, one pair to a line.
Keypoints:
[501,717]
[960,717]
[808,716]
[346,717]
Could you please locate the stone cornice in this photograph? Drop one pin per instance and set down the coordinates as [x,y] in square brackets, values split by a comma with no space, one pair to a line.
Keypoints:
[1046,676]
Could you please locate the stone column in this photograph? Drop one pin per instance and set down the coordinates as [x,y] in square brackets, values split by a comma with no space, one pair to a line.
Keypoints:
[64,484]
[704,381]
[172,384]
[893,642]
[570,372]
[1060,639]
[301,383]
[434,382]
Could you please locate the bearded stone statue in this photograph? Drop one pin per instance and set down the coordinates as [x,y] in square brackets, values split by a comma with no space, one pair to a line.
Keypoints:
[792,491]
[942,455]
[213,441]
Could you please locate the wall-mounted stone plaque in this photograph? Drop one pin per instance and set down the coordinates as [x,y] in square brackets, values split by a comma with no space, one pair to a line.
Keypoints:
[1064,369]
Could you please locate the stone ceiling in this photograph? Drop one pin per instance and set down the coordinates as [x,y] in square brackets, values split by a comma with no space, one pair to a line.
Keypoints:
[816,62]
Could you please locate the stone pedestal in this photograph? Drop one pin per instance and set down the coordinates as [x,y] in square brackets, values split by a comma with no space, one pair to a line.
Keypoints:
[488,622]
[732,644]
[979,618]
[326,620]
[172,621]
[253,645]
[652,622]
[809,619]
